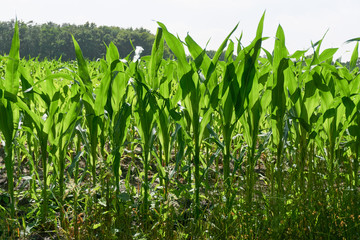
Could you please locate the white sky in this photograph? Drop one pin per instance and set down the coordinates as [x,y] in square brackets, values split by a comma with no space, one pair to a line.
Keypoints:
[303,21]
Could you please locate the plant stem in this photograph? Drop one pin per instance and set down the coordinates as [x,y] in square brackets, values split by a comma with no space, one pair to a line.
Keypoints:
[44,190]
[10,175]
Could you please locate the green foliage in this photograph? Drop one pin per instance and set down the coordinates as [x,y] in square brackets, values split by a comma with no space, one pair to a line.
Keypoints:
[146,147]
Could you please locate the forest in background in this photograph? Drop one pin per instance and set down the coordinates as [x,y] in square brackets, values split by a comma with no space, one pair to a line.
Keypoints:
[52,41]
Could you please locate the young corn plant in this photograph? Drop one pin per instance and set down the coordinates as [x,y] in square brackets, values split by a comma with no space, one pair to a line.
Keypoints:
[145,110]
[11,105]
[92,107]
[278,102]
[249,110]
[10,113]
[119,111]
[354,103]
[207,68]
[160,82]
[195,99]
[67,117]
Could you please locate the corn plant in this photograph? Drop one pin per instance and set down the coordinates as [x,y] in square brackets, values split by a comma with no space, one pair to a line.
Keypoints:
[193,89]
[92,107]
[10,113]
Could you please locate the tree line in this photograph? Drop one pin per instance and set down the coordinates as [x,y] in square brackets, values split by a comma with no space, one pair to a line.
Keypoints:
[52,41]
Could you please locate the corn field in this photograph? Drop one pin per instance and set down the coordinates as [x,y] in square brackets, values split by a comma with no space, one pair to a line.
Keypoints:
[252,147]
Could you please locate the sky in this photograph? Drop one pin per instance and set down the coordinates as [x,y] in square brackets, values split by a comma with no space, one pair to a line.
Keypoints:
[303,21]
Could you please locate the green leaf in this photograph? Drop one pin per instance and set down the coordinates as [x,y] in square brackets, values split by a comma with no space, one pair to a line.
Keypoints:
[175,115]
[214,98]
[102,94]
[195,51]
[229,52]
[177,48]
[354,57]
[280,50]
[354,131]
[268,55]
[11,73]
[156,58]
[318,82]
[6,122]
[121,123]
[327,54]
[204,121]
[353,40]
[228,109]
[278,100]
[112,53]
[298,54]
[223,46]
[187,84]
[83,69]
[13,98]
[71,116]
[260,28]
[349,105]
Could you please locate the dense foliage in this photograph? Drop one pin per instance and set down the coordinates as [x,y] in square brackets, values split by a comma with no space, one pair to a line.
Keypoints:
[53,41]
[193,148]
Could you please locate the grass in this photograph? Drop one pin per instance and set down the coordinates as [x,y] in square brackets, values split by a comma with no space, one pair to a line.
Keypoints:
[250,147]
